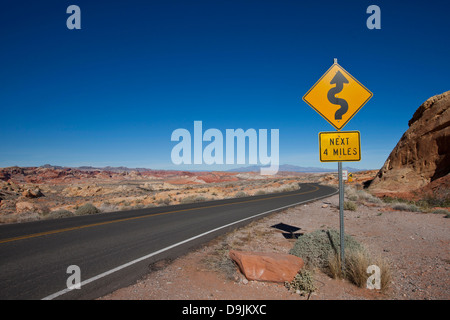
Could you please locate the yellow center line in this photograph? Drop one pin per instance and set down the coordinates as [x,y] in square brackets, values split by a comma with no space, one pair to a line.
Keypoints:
[34,235]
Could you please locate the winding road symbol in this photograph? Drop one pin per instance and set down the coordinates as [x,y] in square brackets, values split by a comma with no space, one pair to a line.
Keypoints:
[339,80]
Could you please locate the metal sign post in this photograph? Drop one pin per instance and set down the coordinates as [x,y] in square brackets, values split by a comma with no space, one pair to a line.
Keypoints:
[341,214]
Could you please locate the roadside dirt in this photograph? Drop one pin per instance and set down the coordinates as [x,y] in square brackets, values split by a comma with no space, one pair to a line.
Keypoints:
[416,246]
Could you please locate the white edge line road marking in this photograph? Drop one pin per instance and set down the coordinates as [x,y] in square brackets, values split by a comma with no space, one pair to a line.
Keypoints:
[104,274]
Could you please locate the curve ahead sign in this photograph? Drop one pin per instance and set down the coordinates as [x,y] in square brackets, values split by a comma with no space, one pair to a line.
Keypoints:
[337,96]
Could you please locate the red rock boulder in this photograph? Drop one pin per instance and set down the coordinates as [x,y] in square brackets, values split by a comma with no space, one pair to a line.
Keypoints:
[273,267]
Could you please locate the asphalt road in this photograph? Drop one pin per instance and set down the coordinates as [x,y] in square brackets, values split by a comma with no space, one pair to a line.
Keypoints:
[114,250]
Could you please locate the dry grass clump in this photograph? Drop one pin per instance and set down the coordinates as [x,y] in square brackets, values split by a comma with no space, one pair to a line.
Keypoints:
[445,212]
[88,208]
[60,213]
[193,199]
[356,268]
[321,249]
[427,204]
[259,193]
[164,201]
[218,259]
[284,188]
[405,207]
[240,194]
[363,196]
[108,207]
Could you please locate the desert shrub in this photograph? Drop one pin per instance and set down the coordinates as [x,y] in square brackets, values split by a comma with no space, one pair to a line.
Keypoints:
[286,188]
[240,194]
[315,248]
[440,211]
[425,204]
[431,202]
[88,208]
[349,205]
[352,197]
[405,207]
[350,193]
[414,208]
[260,193]
[353,194]
[303,282]
[165,201]
[389,200]
[108,207]
[60,213]
[365,196]
[193,199]
[445,212]
[21,217]
[290,187]
[321,249]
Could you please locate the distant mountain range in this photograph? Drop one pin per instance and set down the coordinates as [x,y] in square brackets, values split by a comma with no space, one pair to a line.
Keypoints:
[255,168]
[292,168]
[108,168]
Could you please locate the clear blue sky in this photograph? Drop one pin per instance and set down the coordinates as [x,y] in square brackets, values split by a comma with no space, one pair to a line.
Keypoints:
[113,92]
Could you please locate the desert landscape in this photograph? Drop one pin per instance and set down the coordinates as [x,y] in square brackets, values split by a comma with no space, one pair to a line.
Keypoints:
[399,214]
[48,192]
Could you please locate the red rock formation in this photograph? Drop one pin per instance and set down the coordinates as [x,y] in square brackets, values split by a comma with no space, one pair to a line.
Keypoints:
[423,153]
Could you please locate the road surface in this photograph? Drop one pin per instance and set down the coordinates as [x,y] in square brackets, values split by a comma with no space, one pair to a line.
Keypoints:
[114,250]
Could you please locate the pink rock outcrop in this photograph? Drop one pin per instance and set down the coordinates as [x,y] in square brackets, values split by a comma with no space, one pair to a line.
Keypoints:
[273,267]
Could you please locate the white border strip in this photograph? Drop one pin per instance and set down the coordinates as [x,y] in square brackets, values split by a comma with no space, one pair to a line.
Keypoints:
[104,274]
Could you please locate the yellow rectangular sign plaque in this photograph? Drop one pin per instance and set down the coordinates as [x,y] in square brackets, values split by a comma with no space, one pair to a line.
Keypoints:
[340,146]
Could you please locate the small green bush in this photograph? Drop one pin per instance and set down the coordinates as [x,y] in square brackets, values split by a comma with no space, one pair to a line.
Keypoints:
[363,196]
[240,194]
[193,199]
[88,208]
[60,213]
[405,207]
[349,205]
[315,248]
[352,197]
[441,211]
[431,202]
[290,187]
[303,282]
[321,249]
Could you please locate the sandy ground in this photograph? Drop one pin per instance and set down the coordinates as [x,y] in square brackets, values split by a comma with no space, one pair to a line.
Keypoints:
[416,245]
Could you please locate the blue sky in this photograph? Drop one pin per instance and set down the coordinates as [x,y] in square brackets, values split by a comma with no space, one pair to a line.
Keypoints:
[113,92]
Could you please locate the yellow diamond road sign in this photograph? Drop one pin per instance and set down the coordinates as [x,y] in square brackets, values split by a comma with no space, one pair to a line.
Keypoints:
[337,96]
[339,146]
